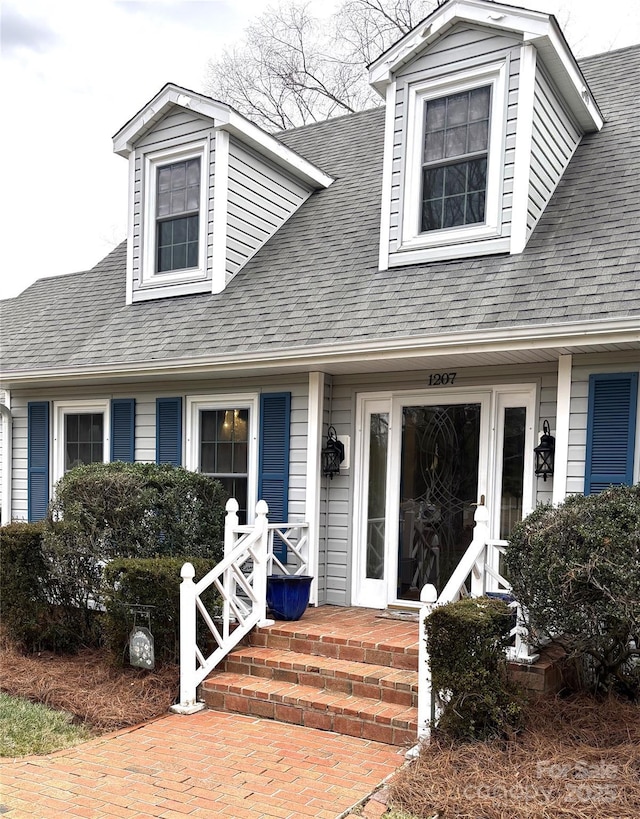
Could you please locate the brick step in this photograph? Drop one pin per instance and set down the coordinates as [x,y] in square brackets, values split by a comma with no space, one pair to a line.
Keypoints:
[381,647]
[307,705]
[376,682]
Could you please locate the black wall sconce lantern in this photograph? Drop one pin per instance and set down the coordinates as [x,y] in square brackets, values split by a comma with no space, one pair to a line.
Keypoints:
[332,454]
[545,452]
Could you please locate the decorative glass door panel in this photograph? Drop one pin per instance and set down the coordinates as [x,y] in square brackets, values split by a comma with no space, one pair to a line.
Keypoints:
[377,494]
[438,491]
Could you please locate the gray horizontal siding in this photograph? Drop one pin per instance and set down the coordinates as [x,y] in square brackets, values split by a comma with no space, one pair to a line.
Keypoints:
[465,47]
[261,198]
[554,140]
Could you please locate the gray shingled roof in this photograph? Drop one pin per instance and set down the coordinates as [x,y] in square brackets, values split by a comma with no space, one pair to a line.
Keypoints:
[317,281]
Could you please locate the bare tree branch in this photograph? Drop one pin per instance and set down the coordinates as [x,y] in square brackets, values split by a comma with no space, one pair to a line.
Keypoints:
[292,69]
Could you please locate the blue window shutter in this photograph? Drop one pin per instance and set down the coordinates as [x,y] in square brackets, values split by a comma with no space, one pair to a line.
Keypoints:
[611,427]
[37,459]
[273,477]
[123,417]
[169,431]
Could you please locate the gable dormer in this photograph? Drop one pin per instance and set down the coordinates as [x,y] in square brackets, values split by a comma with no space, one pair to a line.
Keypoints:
[485,106]
[207,188]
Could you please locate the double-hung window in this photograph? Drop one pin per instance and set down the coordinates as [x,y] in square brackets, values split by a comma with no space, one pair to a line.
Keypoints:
[175,222]
[177,215]
[454,164]
[81,434]
[222,443]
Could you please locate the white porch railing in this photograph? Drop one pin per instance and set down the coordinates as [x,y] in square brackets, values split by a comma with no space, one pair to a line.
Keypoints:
[240,579]
[481,562]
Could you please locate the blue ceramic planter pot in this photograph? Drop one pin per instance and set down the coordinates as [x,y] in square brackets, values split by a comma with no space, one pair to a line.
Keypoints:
[288,595]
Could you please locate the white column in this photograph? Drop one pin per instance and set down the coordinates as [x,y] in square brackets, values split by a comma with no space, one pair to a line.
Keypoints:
[312,501]
[561,459]
[428,597]
[6,467]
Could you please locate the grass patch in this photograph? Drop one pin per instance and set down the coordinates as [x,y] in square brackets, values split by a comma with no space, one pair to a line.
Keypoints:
[31,728]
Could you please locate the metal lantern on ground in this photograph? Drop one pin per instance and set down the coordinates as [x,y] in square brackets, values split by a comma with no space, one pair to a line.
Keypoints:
[544,453]
[332,454]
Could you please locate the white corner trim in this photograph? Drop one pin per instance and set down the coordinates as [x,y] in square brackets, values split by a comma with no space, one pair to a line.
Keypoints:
[387,176]
[312,494]
[6,465]
[130,229]
[524,137]
[220,209]
[563,410]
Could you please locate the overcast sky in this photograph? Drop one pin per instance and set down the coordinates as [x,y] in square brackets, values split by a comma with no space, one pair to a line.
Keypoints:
[74,71]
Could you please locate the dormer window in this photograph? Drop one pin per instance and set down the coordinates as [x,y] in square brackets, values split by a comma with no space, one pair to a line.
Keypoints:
[454,159]
[178,205]
[454,167]
[175,227]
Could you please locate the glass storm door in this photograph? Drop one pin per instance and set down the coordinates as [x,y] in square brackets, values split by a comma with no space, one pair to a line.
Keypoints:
[440,449]
[426,459]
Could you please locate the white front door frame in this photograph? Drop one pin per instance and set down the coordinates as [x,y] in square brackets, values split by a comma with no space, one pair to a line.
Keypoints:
[493,400]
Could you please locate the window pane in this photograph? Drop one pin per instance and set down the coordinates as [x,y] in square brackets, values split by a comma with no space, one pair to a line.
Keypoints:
[178,175]
[164,204]
[457,109]
[434,146]
[193,228]
[207,457]
[455,179]
[164,260]
[179,257]
[178,201]
[164,179]
[478,136]
[240,457]
[179,231]
[377,494]
[433,183]
[193,172]
[479,103]
[456,141]
[477,175]
[512,469]
[435,115]
[432,214]
[192,254]
[225,458]
[475,208]
[453,212]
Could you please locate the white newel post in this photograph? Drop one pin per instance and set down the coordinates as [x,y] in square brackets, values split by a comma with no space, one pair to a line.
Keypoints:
[262,561]
[428,598]
[230,525]
[188,684]
[480,535]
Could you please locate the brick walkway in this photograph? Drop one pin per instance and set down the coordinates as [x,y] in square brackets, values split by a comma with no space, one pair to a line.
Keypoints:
[208,764]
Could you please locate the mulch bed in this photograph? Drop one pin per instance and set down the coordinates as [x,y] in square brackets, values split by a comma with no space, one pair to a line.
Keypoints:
[577,758]
[87,685]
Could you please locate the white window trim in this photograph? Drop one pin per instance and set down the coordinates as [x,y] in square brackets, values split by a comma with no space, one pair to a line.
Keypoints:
[152,161]
[494,75]
[250,401]
[64,408]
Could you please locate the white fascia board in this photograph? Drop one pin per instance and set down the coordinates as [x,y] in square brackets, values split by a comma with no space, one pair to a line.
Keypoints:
[541,337]
[566,74]
[223,117]
[171,95]
[536,28]
[270,147]
[494,15]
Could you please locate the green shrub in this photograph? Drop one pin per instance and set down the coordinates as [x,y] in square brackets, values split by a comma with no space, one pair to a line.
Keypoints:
[465,642]
[152,582]
[142,510]
[23,579]
[576,569]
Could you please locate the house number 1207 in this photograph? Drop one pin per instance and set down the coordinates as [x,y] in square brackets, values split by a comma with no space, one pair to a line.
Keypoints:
[442,379]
